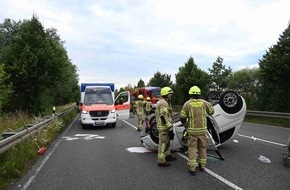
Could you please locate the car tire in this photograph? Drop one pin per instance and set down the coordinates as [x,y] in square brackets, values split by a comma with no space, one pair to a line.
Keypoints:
[212,96]
[230,102]
[153,132]
[152,120]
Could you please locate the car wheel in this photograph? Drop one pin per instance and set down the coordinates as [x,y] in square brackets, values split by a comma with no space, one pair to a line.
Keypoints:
[113,125]
[152,120]
[230,102]
[212,96]
[153,132]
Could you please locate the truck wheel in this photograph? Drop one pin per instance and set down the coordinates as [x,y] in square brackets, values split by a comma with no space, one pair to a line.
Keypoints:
[230,102]
[153,132]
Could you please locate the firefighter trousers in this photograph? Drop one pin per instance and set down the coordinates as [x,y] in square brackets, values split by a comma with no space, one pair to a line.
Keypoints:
[199,143]
[163,147]
[140,120]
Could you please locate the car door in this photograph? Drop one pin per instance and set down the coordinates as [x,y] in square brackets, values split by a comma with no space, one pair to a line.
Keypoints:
[122,105]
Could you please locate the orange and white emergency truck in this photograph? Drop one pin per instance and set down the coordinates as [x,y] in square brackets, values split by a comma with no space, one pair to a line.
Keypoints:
[100,108]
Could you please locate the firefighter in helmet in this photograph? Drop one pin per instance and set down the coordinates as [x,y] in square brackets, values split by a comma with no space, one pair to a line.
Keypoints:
[139,105]
[148,106]
[165,128]
[193,116]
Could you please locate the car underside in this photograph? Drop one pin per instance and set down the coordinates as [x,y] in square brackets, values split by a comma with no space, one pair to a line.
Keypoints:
[222,126]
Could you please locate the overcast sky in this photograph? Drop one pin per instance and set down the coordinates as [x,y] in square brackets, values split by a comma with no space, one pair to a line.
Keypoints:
[123,41]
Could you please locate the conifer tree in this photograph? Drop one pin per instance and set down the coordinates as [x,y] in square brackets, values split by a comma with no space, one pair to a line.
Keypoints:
[274,91]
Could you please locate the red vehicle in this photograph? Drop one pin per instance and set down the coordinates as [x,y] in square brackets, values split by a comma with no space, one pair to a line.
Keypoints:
[149,91]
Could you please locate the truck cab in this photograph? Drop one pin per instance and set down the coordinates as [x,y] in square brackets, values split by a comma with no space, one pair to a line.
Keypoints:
[152,92]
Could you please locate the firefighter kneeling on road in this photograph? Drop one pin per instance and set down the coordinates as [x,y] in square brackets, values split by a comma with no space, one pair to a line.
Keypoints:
[165,128]
[193,117]
[139,105]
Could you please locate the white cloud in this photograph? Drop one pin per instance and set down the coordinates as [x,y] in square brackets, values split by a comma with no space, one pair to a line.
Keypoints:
[123,41]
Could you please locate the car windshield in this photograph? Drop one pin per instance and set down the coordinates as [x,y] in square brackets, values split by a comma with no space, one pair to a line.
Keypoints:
[98,96]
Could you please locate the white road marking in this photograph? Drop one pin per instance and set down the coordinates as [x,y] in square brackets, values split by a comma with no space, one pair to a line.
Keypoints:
[138,149]
[84,137]
[70,138]
[30,180]
[215,175]
[258,139]
[129,124]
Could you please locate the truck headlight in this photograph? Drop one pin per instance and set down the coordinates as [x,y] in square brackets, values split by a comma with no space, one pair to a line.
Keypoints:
[85,112]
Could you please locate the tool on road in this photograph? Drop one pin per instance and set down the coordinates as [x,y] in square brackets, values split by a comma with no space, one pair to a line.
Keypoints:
[286,154]
[286,158]
[41,150]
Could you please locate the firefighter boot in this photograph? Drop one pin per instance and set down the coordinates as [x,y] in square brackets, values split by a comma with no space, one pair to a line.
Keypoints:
[200,168]
[193,173]
[164,164]
[170,158]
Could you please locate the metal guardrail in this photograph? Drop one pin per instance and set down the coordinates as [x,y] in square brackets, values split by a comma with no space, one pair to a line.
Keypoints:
[269,114]
[281,115]
[11,141]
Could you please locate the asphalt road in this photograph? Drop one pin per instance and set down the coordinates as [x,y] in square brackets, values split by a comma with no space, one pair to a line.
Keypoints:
[109,158]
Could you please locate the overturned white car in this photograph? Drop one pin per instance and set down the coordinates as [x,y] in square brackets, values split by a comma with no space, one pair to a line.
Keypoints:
[222,126]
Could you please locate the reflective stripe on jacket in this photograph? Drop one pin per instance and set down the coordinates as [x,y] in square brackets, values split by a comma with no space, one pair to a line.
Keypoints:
[163,109]
[195,111]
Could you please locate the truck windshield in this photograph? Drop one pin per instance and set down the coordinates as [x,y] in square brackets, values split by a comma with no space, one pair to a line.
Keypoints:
[98,96]
[156,92]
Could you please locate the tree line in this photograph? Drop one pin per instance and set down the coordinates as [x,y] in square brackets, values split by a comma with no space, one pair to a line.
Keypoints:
[266,88]
[35,70]
[36,73]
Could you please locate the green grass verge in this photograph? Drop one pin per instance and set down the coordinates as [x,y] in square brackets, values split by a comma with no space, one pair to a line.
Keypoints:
[279,122]
[15,162]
